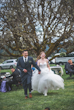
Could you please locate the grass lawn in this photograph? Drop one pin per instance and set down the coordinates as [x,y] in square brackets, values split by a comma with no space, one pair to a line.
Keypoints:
[56,99]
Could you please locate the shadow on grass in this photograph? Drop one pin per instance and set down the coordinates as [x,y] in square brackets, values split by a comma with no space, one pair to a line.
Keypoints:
[49,93]
[15,88]
[53,93]
[69,78]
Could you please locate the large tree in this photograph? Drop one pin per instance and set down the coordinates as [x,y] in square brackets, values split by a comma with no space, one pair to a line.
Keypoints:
[35,24]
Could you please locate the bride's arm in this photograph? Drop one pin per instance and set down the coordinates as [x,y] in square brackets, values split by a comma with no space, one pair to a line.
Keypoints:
[48,64]
[38,62]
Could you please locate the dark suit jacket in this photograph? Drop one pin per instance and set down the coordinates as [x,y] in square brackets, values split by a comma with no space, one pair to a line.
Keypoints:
[22,65]
[15,75]
[68,68]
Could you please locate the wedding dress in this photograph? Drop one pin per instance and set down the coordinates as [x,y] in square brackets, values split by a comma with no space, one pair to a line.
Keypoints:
[46,80]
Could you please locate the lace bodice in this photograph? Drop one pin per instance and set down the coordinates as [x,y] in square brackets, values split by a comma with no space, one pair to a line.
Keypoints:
[43,65]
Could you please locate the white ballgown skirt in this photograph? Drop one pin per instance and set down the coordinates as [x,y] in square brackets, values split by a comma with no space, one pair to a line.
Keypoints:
[46,80]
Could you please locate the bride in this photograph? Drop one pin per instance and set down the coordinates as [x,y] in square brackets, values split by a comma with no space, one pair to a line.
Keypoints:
[46,80]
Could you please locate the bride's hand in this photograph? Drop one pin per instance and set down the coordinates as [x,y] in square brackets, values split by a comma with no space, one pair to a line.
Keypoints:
[39,72]
[25,70]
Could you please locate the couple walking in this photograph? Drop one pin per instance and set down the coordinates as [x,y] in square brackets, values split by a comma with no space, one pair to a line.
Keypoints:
[42,80]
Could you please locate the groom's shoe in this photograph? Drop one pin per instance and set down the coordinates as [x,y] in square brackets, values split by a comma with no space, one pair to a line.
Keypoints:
[26,97]
[30,95]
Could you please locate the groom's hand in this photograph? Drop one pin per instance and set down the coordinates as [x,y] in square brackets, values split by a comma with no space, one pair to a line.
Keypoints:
[39,72]
[25,70]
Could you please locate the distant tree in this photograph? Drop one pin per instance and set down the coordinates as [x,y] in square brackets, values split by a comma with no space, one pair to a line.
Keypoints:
[35,24]
[62,54]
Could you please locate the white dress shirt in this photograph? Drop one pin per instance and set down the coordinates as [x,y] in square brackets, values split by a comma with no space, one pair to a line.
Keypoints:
[25,59]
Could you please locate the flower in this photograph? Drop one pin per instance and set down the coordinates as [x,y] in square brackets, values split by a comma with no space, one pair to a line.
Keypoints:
[30,61]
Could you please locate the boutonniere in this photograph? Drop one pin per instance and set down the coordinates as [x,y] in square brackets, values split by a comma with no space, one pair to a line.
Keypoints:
[30,61]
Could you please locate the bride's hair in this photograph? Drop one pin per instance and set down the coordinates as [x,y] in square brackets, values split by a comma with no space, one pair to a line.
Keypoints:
[47,108]
[39,56]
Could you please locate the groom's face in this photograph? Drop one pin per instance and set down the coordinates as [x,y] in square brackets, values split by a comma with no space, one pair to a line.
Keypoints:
[25,53]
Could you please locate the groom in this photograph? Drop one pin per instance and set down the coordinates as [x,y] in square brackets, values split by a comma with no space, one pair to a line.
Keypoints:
[24,64]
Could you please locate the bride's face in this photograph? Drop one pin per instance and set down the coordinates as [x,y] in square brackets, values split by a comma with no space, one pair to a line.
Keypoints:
[43,55]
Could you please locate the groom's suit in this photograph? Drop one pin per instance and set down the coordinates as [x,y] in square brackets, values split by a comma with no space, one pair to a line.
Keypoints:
[26,77]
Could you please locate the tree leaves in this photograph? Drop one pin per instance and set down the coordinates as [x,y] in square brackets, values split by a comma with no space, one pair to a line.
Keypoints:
[20,19]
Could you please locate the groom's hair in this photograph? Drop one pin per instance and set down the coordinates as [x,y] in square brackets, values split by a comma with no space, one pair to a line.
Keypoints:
[24,51]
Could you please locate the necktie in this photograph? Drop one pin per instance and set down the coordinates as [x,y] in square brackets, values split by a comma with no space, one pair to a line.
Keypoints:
[25,59]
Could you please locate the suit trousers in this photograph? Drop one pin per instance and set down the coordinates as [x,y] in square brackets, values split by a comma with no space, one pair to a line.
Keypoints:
[26,81]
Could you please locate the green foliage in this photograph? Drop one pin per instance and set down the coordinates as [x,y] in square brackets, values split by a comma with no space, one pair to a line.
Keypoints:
[62,54]
[34,24]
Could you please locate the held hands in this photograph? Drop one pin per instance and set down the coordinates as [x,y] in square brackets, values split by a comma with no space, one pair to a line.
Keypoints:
[39,72]
[25,71]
